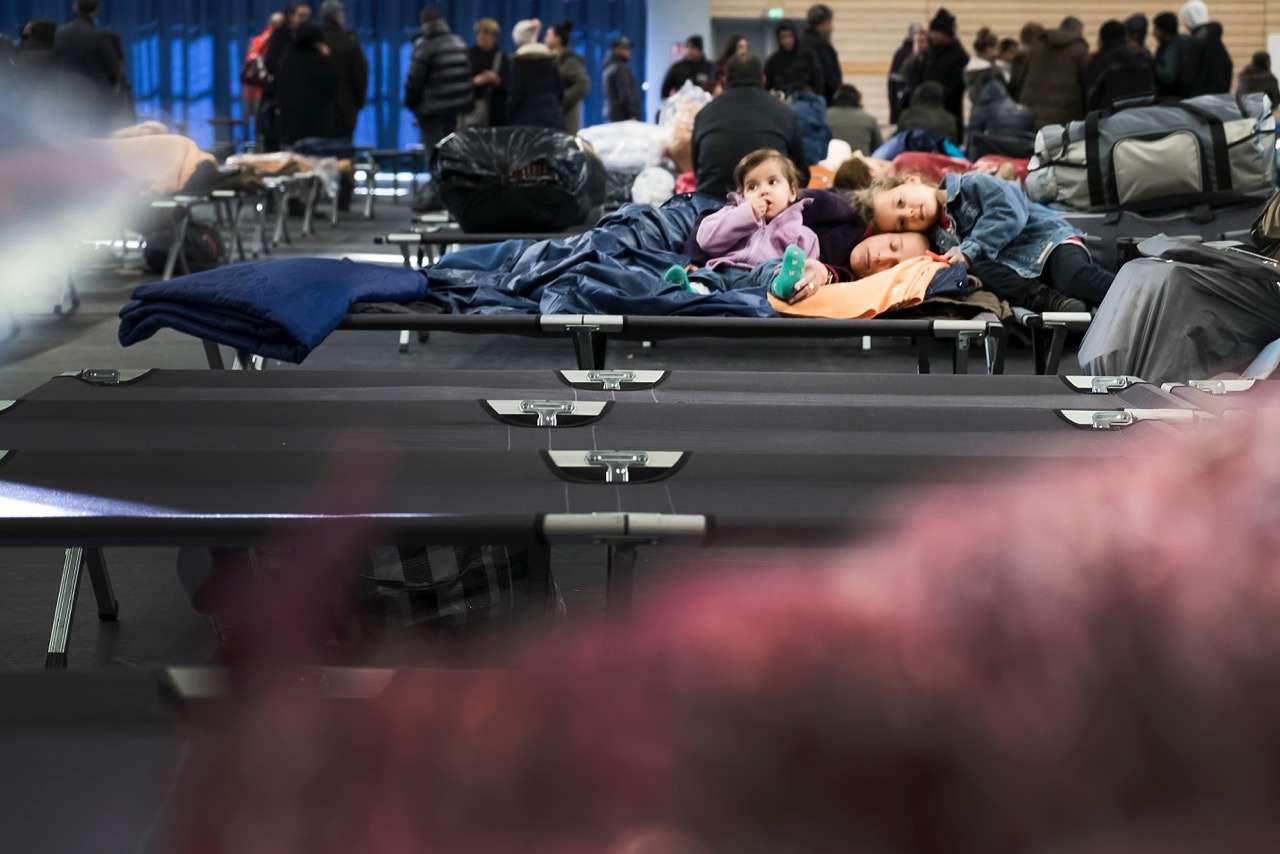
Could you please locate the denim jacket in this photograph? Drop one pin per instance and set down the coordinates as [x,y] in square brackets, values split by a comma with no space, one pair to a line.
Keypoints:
[993,220]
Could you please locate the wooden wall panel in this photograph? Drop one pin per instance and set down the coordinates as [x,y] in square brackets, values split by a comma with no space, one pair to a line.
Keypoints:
[867,32]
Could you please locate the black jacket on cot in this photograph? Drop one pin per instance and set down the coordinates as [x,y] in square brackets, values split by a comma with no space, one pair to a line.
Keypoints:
[1204,68]
[945,66]
[828,215]
[1115,75]
[735,124]
[534,91]
[793,70]
[352,68]
[828,63]
[306,89]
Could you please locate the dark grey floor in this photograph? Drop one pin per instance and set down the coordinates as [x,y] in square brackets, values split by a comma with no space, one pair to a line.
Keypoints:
[157,625]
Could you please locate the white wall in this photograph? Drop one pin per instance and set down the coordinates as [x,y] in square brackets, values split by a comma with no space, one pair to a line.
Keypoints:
[670,22]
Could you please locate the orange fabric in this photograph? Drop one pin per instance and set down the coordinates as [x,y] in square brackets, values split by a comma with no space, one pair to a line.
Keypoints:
[160,163]
[821,178]
[257,47]
[898,287]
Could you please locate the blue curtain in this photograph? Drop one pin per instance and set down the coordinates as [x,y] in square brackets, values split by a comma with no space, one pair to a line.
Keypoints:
[184,56]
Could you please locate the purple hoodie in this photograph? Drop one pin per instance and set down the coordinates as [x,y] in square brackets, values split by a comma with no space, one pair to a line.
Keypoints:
[735,238]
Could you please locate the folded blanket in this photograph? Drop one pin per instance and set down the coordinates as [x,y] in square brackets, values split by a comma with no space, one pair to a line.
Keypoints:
[276,309]
[906,284]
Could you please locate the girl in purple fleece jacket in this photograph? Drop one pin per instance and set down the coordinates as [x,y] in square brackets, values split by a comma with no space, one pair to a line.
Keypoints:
[763,223]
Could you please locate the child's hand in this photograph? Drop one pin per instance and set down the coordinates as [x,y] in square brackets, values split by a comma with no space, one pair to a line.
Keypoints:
[758,206]
[954,256]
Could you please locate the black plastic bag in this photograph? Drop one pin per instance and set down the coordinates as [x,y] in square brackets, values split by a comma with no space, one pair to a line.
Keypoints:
[517,179]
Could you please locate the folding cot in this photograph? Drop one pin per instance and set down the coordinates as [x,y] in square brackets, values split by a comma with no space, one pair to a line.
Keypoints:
[616,459]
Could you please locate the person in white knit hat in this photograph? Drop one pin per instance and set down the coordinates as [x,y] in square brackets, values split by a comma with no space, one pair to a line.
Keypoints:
[1204,67]
[535,90]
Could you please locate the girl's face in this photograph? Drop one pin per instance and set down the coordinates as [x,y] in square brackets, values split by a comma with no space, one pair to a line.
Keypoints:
[741,47]
[769,182]
[551,40]
[912,206]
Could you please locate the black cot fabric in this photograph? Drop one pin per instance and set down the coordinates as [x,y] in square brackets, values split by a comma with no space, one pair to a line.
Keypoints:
[180,455]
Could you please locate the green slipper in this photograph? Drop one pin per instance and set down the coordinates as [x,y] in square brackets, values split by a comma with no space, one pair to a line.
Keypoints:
[784,286]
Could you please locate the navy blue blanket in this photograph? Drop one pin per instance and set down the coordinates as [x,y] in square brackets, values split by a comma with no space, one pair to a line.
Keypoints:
[276,309]
[616,268]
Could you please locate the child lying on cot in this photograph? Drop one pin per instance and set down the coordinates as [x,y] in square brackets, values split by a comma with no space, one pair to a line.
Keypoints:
[764,221]
[981,220]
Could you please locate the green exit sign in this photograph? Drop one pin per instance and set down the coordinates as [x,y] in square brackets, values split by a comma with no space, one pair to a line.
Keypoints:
[775,12]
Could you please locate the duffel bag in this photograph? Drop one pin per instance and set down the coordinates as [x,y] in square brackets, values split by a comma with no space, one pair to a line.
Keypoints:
[517,179]
[1213,149]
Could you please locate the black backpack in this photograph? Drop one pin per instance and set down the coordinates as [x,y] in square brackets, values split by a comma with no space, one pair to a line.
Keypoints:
[203,247]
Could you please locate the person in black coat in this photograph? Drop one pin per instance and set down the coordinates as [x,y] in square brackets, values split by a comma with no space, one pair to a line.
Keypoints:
[94,66]
[1205,66]
[914,43]
[280,43]
[534,91]
[817,38]
[792,68]
[306,87]
[1116,72]
[351,66]
[943,63]
[739,121]
[693,67]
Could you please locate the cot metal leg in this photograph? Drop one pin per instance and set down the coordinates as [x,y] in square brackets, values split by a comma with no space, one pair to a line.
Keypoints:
[282,217]
[995,348]
[1057,342]
[180,218]
[246,361]
[589,348]
[1037,350]
[540,572]
[309,208]
[213,355]
[922,354]
[620,576]
[233,219]
[68,591]
[404,340]
[960,355]
[370,190]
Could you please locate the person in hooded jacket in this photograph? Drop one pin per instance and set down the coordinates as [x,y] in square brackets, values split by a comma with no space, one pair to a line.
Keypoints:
[1257,77]
[1000,125]
[1116,72]
[915,42]
[1204,68]
[816,38]
[791,68]
[1053,80]
[534,92]
[983,65]
[306,87]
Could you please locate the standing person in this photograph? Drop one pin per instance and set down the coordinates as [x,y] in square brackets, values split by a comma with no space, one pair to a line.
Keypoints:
[1256,77]
[792,68]
[621,94]
[573,74]
[490,72]
[943,63]
[35,50]
[1135,34]
[817,38]
[1053,84]
[915,43]
[306,87]
[694,67]
[1205,68]
[534,92]
[280,43]
[438,87]
[1169,49]
[1116,72]
[351,66]
[94,66]
[255,57]
[848,121]
[1030,34]
[983,65]
[735,45]
[742,119]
